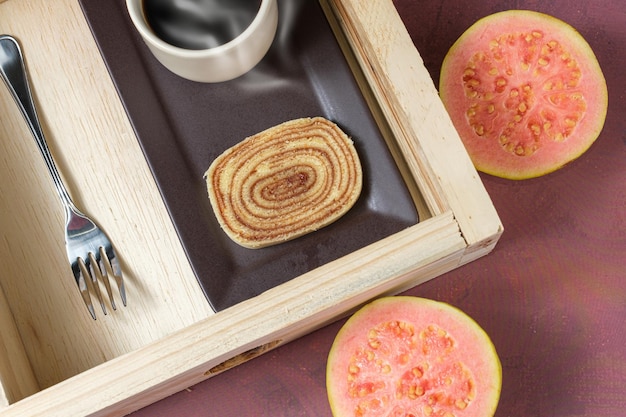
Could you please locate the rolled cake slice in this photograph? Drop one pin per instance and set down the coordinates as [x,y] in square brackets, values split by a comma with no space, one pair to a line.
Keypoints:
[284,182]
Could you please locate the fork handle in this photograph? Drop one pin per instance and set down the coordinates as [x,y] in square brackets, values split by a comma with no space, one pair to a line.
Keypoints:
[13,72]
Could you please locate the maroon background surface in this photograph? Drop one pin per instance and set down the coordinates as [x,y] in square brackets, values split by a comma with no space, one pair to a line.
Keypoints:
[552,295]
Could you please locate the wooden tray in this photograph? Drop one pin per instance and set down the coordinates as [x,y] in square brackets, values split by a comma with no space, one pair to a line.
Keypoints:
[55,360]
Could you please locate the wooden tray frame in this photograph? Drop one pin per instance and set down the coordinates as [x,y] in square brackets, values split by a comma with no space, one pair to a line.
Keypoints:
[459,224]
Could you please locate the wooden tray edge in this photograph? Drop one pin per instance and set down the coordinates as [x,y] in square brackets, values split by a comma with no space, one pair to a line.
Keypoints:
[422,128]
[253,327]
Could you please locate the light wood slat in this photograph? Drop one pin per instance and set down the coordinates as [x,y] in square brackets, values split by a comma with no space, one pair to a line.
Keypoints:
[422,127]
[97,152]
[17,379]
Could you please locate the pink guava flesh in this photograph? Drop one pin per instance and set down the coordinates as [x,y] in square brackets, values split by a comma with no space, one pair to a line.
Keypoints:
[409,356]
[525,92]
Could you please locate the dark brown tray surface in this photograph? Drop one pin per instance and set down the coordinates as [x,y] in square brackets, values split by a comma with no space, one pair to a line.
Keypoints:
[182,126]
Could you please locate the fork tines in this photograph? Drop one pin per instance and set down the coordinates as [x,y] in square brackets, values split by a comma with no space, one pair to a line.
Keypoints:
[100,268]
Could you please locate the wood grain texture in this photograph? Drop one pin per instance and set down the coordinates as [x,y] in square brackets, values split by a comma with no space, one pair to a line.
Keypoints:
[421,125]
[168,338]
[99,156]
[17,379]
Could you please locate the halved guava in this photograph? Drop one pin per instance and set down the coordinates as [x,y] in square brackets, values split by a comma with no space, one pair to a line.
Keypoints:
[525,92]
[410,356]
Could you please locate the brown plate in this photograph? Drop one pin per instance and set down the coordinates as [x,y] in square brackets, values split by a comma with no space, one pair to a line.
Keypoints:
[182,126]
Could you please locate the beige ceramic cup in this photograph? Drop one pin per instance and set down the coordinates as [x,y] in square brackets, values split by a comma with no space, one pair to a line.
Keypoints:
[221,63]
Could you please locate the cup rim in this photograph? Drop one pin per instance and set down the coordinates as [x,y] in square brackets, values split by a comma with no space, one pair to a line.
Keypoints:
[136,14]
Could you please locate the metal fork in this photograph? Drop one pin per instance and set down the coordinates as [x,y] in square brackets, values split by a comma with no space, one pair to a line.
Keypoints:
[89,250]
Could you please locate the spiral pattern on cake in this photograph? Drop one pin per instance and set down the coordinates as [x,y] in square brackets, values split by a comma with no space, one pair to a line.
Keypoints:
[284,182]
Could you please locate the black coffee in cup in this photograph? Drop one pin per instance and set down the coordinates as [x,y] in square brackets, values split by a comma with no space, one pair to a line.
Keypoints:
[199,24]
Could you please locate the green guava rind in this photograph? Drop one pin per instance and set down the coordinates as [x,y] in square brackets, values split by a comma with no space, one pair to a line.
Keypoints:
[474,348]
[487,155]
